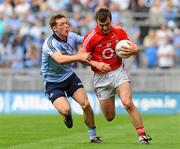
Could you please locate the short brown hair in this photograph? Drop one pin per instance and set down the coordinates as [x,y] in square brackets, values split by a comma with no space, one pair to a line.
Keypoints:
[102,14]
[53,19]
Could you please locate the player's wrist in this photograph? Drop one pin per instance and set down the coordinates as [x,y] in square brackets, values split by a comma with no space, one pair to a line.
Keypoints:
[77,57]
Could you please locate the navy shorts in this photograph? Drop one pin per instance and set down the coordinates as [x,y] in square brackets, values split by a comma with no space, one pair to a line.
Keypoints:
[66,88]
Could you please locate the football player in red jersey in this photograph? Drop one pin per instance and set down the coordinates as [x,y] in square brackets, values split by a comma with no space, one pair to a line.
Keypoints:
[110,76]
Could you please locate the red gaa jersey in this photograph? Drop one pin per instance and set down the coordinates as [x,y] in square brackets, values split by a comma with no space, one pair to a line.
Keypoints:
[102,46]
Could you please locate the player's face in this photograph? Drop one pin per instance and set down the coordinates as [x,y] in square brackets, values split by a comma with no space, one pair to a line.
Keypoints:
[61,28]
[104,26]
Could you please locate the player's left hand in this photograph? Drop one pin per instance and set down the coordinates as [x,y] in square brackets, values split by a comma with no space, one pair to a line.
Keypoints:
[132,49]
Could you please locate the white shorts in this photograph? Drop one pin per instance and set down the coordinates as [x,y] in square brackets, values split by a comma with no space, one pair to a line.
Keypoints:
[105,84]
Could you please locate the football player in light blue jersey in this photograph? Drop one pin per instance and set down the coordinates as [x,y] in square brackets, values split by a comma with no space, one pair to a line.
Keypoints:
[60,80]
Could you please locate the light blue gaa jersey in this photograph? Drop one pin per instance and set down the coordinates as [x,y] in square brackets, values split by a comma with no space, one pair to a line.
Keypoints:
[50,69]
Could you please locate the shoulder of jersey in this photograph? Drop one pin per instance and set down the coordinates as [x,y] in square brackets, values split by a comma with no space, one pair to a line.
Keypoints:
[118,27]
[90,33]
[89,36]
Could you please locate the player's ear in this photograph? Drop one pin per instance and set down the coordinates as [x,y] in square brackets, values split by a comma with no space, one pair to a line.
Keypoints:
[54,28]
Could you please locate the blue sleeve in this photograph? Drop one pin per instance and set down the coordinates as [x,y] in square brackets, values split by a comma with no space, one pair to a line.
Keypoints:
[78,39]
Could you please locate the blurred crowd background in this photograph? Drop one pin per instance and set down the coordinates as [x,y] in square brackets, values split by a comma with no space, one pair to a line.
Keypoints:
[154,25]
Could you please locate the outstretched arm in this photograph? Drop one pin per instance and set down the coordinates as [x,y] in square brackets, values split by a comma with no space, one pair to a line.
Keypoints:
[65,59]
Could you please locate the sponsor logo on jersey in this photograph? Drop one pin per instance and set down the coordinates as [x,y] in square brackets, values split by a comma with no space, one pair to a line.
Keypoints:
[108,53]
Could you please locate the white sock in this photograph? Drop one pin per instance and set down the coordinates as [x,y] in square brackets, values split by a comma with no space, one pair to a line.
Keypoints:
[92,132]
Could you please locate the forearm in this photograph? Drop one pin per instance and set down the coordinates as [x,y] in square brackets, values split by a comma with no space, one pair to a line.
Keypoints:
[101,66]
[65,59]
[92,63]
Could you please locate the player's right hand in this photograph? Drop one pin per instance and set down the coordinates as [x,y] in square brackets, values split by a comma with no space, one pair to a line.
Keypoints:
[103,67]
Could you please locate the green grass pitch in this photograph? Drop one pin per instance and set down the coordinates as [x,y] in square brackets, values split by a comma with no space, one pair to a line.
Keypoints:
[49,132]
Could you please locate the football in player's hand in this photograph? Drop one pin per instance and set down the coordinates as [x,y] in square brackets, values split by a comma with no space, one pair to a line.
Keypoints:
[119,50]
